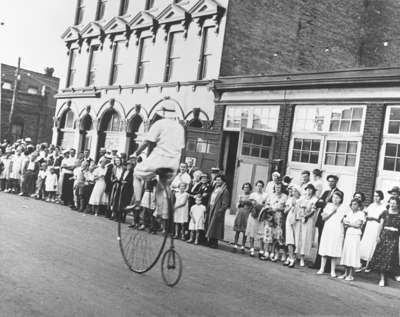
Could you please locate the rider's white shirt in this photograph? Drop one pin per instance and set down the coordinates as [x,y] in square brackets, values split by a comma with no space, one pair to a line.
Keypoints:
[168,136]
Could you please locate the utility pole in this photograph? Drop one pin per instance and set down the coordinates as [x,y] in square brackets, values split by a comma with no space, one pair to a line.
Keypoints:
[14,97]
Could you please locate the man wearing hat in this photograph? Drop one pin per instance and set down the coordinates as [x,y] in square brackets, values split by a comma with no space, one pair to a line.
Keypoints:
[165,141]
[325,198]
[394,192]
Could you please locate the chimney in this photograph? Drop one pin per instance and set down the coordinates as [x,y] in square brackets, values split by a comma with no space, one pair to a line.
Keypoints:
[49,71]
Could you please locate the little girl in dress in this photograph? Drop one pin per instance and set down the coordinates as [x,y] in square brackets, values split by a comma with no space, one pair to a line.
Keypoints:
[197,217]
[181,210]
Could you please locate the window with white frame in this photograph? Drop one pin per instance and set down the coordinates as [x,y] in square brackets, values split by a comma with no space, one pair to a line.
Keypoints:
[206,54]
[329,118]
[391,160]
[7,85]
[91,77]
[80,10]
[341,153]
[144,60]
[257,145]
[33,90]
[117,62]
[393,121]
[173,68]
[254,117]
[201,145]
[101,9]
[306,150]
[72,67]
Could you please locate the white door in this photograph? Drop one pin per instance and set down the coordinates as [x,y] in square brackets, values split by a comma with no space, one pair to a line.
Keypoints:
[389,165]
[253,160]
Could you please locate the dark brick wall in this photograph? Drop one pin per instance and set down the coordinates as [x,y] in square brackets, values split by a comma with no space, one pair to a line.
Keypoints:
[36,111]
[279,36]
[371,144]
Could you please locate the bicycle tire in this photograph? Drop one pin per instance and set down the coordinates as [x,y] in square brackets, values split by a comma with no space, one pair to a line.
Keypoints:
[136,247]
[171,261]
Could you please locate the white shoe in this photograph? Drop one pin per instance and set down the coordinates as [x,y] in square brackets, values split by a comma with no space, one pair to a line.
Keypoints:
[397,278]
[302,262]
[342,277]
[252,252]
[381,283]
[349,278]
[320,272]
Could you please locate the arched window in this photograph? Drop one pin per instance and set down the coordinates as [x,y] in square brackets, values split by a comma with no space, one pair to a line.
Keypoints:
[86,123]
[111,122]
[67,120]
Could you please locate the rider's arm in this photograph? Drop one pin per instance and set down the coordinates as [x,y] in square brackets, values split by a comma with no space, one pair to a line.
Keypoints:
[142,147]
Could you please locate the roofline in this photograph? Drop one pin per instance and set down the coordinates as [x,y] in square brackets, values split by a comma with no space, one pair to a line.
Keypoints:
[347,77]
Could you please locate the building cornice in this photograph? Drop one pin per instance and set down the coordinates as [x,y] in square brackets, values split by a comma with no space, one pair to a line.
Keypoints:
[335,79]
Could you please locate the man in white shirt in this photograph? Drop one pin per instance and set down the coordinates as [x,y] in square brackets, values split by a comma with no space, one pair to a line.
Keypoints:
[182,177]
[305,181]
[165,139]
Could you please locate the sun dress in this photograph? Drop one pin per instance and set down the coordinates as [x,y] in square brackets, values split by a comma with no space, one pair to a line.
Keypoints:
[99,196]
[372,230]
[290,221]
[386,255]
[181,214]
[304,230]
[333,233]
[242,215]
[253,225]
[351,246]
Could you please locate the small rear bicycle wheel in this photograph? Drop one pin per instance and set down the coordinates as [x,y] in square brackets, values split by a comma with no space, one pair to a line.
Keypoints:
[171,267]
[139,248]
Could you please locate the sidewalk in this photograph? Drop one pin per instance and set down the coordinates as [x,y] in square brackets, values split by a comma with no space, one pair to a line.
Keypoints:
[371,277]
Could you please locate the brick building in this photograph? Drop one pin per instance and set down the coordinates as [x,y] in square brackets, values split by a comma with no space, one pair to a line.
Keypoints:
[34,107]
[339,59]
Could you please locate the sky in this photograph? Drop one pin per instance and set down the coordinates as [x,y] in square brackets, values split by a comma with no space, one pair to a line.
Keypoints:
[32,30]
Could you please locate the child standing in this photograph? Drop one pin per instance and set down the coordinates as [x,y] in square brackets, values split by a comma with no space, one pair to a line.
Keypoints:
[181,210]
[40,182]
[242,216]
[353,222]
[196,225]
[51,184]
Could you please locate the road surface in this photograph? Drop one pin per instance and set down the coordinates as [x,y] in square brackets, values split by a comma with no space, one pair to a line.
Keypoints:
[57,262]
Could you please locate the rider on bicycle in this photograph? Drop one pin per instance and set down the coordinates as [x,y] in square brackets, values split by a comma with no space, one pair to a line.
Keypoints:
[164,141]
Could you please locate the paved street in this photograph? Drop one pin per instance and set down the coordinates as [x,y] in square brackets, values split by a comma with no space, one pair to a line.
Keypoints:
[56,262]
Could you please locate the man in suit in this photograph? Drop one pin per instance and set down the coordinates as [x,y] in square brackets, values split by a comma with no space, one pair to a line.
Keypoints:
[190,167]
[325,198]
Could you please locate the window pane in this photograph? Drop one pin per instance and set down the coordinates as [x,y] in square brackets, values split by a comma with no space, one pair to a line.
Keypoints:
[340,159]
[247,137]
[351,160]
[297,144]
[212,148]
[394,127]
[257,139]
[331,146]
[388,164]
[330,159]
[305,157]
[191,146]
[201,147]
[314,157]
[307,145]
[394,114]
[397,165]
[352,148]
[315,145]
[357,113]
[246,150]
[296,156]
[346,114]
[355,126]
[334,125]
[265,153]
[267,140]
[255,151]
[345,125]
[342,147]
[390,149]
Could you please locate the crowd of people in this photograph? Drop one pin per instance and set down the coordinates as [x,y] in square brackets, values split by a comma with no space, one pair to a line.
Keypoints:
[282,221]
[289,219]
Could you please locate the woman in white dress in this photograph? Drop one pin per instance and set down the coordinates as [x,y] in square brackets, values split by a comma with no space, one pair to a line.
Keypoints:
[353,222]
[374,222]
[99,197]
[259,197]
[290,211]
[332,235]
[304,233]
[317,182]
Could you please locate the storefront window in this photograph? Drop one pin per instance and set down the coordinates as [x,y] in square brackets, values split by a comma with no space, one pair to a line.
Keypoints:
[394,121]
[328,119]
[392,157]
[306,150]
[261,118]
[200,145]
[341,153]
[257,145]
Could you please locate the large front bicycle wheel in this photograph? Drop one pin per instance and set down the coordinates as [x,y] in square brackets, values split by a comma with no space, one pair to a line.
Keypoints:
[139,248]
[171,267]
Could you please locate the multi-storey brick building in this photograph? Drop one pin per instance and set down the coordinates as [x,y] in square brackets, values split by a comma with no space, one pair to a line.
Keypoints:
[34,106]
[128,58]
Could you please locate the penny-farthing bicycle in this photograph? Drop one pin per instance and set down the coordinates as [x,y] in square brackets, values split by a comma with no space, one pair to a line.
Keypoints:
[141,250]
